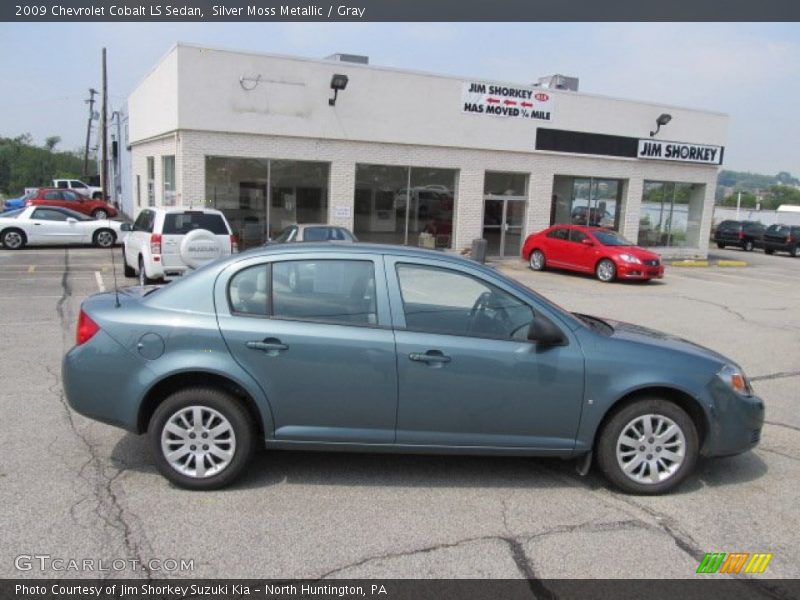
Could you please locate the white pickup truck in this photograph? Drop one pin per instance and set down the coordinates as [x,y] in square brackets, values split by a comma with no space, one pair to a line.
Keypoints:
[77,185]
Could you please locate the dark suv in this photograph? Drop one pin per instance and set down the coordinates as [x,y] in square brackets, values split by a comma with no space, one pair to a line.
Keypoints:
[782,238]
[745,234]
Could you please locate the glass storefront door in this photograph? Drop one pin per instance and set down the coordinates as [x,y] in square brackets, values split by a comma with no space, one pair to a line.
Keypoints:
[502,225]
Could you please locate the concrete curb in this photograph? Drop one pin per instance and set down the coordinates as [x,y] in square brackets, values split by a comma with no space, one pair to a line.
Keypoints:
[705,263]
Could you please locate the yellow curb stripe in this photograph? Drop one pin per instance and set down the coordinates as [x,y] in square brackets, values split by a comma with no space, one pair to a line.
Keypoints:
[689,263]
[731,263]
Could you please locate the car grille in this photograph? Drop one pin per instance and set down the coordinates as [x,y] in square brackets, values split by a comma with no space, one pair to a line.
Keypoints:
[651,263]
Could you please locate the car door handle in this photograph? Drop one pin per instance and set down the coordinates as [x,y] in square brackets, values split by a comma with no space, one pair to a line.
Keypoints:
[433,357]
[270,345]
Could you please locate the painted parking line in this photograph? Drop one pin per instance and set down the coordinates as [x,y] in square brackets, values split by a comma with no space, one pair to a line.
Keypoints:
[31,268]
[99,280]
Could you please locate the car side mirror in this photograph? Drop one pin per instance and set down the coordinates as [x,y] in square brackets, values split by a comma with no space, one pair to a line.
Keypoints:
[543,332]
[126,227]
[587,242]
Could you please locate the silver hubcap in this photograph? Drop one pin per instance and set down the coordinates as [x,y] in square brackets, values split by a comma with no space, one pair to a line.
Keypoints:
[198,442]
[104,238]
[651,449]
[605,270]
[100,214]
[12,240]
[537,260]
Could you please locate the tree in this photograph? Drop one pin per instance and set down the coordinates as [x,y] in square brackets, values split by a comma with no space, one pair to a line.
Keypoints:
[24,165]
[749,200]
[51,141]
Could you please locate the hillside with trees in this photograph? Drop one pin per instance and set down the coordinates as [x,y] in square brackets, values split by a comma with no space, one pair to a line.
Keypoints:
[23,164]
[770,191]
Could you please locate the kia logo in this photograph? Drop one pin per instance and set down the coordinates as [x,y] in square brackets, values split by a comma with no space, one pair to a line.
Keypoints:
[542,97]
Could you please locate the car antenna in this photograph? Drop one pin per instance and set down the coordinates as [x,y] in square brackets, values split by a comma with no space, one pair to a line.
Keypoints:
[114,272]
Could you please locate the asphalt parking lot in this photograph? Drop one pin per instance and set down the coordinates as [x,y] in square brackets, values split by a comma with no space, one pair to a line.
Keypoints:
[75,489]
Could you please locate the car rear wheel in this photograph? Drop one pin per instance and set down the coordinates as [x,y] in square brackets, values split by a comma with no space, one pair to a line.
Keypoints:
[13,239]
[100,213]
[769,251]
[143,278]
[606,270]
[648,447]
[201,438]
[104,238]
[720,245]
[748,246]
[537,260]
[129,270]
[795,251]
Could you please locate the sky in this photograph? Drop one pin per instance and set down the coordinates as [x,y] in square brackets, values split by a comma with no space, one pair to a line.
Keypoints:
[750,71]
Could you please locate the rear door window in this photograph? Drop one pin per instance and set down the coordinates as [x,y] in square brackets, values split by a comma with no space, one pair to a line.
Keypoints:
[559,234]
[577,236]
[185,222]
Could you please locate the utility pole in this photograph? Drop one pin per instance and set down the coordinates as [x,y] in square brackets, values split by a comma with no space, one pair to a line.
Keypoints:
[90,102]
[104,133]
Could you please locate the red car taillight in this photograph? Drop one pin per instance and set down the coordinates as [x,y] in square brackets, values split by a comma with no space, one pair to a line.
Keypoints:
[155,243]
[86,329]
[741,235]
[234,244]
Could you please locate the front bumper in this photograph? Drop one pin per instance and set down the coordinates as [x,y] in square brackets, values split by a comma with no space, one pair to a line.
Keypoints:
[634,271]
[736,421]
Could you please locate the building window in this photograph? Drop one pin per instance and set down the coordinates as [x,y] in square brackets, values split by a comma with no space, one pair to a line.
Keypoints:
[261,197]
[587,201]
[405,205]
[670,214]
[168,177]
[151,181]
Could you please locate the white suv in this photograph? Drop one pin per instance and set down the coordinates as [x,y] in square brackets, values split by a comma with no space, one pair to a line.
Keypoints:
[164,243]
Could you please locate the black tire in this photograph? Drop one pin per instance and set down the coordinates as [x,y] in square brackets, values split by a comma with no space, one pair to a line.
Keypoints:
[142,274]
[225,405]
[537,261]
[748,246]
[104,238]
[13,239]
[795,251]
[720,245]
[769,251]
[618,424]
[129,270]
[604,268]
[99,213]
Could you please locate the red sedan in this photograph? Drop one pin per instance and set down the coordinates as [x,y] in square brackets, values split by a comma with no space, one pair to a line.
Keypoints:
[591,250]
[72,200]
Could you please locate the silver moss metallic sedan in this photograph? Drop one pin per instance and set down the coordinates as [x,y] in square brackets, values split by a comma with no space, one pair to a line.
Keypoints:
[393,349]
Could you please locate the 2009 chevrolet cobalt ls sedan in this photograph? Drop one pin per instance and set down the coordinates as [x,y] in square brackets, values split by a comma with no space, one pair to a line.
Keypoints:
[385,348]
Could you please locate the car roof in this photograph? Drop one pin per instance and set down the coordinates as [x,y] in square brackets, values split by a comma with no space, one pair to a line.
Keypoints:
[334,247]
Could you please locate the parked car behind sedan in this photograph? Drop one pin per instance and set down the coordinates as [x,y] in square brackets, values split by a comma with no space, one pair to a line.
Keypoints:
[15,203]
[744,234]
[314,232]
[782,238]
[591,250]
[97,209]
[48,225]
[395,349]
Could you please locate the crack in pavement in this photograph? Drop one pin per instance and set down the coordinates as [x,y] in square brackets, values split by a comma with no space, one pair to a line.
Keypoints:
[108,507]
[780,375]
[773,451]
[776,424]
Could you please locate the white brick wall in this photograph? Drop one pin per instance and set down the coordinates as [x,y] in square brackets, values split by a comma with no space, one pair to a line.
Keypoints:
[191,148]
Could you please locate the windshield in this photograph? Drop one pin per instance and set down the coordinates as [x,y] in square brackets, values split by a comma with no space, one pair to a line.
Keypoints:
[611,238]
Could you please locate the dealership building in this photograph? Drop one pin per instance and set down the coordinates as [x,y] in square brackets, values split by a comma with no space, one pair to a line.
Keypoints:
[414,158]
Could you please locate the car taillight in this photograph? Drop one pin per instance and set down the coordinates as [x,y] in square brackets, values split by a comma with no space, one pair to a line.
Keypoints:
[234,244]
[28,203]
[86,329]
[741,235]
[155,243]
[789,239]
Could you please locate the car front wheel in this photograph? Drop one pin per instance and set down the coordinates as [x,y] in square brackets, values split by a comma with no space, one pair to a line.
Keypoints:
[13,239]
[720,245]
[104,238]
[537,260]
[606,270]
[748,246]
[648,447]
[795,251]
[201,438]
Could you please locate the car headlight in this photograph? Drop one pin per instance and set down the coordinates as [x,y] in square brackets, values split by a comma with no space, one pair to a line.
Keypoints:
[735,379]
[630,258]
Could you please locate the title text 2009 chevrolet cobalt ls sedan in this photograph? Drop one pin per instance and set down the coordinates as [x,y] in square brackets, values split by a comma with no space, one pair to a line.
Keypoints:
[381,348]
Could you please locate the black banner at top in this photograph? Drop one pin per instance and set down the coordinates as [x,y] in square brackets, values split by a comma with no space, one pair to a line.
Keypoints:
[397,10]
